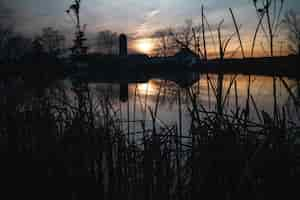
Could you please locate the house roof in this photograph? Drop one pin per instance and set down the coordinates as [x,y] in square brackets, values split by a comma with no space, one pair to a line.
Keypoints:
[185,52]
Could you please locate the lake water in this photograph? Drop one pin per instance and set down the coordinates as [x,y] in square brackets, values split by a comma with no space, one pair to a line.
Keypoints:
[170,99]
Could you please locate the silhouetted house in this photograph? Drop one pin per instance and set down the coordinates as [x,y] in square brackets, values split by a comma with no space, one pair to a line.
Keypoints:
[186,57]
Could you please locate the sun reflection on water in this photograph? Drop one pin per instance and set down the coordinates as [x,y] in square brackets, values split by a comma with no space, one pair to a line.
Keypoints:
[147,88]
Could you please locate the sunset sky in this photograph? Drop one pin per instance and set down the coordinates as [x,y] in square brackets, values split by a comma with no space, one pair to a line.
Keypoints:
[137,18]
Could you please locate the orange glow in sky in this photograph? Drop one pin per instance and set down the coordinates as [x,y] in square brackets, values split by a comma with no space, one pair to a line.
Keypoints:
[145,46]
[149,46]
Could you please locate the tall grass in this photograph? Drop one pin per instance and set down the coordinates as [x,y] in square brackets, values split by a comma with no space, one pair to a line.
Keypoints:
[80,145]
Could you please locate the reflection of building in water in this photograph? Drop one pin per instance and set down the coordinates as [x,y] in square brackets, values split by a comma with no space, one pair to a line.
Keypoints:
[123,52]
[123,92]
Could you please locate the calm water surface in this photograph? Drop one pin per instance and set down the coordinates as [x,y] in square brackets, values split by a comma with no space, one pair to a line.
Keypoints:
[134,102]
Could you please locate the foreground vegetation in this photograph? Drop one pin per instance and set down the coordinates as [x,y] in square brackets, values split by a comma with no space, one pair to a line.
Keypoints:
[69,143]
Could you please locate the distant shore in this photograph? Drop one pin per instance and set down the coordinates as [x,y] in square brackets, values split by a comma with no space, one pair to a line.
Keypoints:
[276,66]
[114,66]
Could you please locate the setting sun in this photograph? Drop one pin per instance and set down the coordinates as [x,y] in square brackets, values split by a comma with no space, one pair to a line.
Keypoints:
[145,46]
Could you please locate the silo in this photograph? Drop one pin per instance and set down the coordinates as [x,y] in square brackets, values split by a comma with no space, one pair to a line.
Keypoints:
[123,45]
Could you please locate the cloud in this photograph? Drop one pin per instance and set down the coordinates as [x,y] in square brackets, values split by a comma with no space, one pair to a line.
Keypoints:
[129,16]
[148,25]
[152,14]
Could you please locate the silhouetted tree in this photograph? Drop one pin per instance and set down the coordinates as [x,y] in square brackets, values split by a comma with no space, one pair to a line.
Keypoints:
[52,41]
[183,36]
[6,29]
[13,46]
[78,49]
[165,44]
[37,46]
[107,42]
[292,21]
[18,46]
[188,37]
[5,34]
